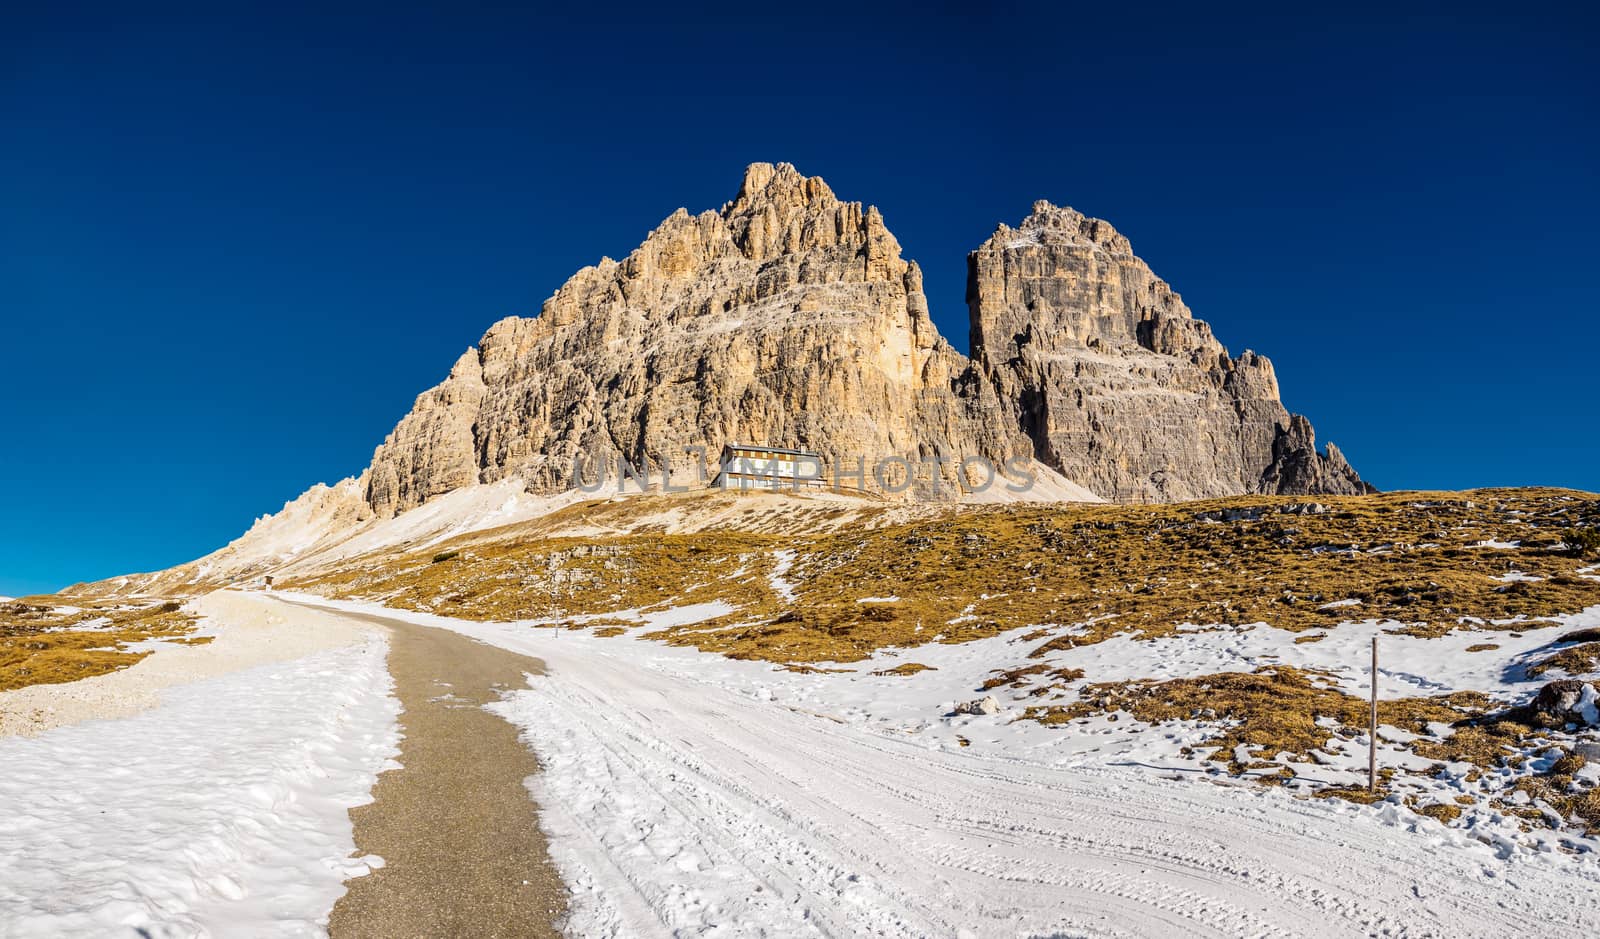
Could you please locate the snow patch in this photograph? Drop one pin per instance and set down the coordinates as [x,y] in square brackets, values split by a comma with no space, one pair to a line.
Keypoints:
[686,615]
[783,560]
[1518,577]
[1586,705]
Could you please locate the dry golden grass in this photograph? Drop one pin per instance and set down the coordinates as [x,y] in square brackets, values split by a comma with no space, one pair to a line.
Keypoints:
[1021,677]
[1578,660]
[1358,794]
[1555,789]
[1442,811]
[1274,709]
[1568,765]
[41,647]
[1485,745]
[973,572]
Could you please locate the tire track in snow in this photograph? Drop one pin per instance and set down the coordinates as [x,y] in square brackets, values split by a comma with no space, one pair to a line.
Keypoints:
[1177,906]
[941,842]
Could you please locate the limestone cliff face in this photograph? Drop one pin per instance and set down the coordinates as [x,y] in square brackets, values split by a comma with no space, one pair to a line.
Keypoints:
[1117,385]
[434,448]
[789,317]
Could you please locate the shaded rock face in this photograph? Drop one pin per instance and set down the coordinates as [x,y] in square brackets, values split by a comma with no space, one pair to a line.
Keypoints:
[1567,700]
[788,317]
[1117,385]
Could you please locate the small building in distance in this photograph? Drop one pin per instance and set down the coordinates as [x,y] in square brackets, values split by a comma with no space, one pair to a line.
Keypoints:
[755,466]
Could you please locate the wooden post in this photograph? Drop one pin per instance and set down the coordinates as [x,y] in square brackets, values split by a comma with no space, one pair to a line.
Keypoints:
[1372,725]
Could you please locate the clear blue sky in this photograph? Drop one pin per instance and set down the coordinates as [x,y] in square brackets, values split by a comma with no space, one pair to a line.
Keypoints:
[236,243]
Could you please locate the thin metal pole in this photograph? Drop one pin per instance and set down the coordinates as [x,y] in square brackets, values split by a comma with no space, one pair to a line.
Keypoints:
[1372,725]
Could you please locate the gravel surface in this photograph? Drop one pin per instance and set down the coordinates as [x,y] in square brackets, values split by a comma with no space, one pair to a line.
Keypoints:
[456,827]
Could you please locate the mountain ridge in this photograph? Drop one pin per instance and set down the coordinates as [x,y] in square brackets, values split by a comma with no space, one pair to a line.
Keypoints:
[789,317]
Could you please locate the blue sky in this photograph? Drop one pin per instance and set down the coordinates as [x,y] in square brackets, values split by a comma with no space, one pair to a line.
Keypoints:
[237,242]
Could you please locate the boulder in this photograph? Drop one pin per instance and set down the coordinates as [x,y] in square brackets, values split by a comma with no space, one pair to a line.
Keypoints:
[988,704]
[1568,701]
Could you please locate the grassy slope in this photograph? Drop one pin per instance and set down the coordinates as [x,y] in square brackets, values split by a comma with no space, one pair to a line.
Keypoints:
[975,572]
[1071,575]
[40,645]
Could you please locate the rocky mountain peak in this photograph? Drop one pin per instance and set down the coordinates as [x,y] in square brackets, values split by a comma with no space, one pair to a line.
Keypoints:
[1064,279]
[789,317]
[781,213]
[1070,323]
[1052,224]
[781,185]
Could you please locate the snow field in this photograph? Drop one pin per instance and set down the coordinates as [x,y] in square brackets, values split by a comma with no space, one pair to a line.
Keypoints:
[688,794]
[221,812]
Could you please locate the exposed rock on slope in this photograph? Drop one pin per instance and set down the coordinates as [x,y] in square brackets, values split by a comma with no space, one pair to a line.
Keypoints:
[789,317]
[1117,385]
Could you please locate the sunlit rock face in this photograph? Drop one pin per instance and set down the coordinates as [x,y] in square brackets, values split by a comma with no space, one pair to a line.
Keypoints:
[789,317]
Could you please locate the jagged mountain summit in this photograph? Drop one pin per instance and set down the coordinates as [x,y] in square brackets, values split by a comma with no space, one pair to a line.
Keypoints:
[1117,385]
[789,317]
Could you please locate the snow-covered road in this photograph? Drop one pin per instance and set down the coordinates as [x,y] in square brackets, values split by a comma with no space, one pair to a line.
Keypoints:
[679,803]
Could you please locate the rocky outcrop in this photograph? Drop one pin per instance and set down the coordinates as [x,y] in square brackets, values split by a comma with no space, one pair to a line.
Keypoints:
[1298,469]
[1566,701]
[434,449]
[1115,382]
[789,317]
